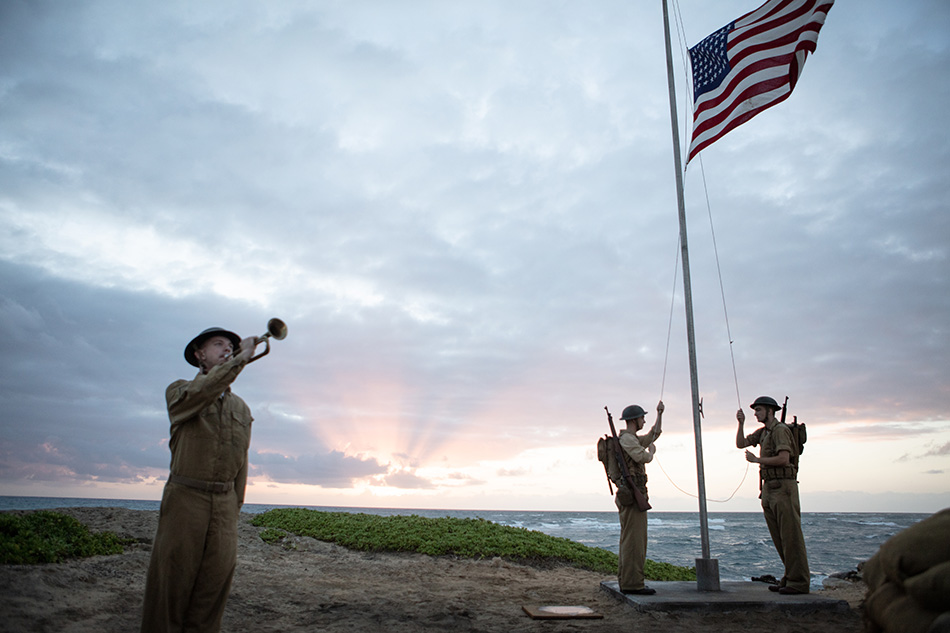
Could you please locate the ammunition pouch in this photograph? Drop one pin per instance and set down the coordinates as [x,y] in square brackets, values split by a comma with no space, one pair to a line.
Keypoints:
[638,473]
[772,474]
[625,496]
[640,481]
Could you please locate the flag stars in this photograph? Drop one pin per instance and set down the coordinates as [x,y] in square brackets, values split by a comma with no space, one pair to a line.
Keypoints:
[710,62]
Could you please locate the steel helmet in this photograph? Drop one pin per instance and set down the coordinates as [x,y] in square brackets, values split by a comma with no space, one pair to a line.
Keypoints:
[199,340]
[632,412]
[765,401]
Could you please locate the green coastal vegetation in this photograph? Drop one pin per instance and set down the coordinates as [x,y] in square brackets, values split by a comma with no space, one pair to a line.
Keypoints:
[51,537]
[446,536]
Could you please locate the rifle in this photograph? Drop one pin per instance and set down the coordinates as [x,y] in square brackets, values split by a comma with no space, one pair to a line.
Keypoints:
[784,409]
[642,504]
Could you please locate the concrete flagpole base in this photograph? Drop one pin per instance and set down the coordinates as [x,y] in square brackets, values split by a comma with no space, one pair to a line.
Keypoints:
[707,574]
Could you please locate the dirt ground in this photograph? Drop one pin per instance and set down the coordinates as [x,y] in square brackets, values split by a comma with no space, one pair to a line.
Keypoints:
[308,585]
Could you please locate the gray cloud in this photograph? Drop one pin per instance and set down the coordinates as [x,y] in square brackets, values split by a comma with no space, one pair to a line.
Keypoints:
[939,450]
[408,481]
[331,470]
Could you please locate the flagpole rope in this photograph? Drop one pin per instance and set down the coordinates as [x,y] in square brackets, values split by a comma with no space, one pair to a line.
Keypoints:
[669,328]
[666,359]
[690,494]
[722,288]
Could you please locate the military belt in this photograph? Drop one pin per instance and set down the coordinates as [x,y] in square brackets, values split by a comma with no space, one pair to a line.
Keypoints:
[198,484]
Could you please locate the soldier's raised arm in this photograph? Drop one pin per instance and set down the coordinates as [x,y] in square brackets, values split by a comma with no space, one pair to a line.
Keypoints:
[741,441]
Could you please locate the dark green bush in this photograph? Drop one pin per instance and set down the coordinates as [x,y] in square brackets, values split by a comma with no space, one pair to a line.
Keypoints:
[468,538]
[50,537]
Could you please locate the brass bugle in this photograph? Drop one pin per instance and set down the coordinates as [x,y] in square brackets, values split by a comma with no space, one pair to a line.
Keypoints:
[276,329]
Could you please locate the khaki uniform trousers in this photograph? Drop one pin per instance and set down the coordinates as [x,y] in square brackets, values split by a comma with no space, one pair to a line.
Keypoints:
[783,515]
[193,561]
[633,547]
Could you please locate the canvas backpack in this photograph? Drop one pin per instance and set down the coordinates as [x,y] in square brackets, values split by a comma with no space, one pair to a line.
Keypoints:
[799,433]
[607,455]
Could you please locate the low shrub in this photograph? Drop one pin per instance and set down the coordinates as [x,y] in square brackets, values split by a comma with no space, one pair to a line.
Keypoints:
[467,538]
[50,537]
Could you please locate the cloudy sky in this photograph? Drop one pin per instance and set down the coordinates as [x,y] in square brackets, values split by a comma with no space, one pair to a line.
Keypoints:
[465,212]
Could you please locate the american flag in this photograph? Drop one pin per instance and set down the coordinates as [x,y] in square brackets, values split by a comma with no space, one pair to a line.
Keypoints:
[751,64]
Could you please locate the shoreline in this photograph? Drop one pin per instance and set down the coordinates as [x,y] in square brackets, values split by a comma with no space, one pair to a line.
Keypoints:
[50,503]
[304,584]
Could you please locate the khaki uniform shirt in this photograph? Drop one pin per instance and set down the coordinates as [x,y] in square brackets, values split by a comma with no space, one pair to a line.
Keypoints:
[635,453]
[774,438]
[636,446]
[210,427]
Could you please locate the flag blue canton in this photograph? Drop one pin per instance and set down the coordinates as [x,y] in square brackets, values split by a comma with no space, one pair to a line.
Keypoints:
[710,61]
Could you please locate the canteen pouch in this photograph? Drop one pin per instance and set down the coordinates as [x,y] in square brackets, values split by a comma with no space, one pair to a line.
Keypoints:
[625,496]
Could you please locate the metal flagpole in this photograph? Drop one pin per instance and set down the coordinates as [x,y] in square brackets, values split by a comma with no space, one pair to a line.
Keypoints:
[707,569]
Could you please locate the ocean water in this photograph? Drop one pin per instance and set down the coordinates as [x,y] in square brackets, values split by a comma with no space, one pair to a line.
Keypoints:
[836,542]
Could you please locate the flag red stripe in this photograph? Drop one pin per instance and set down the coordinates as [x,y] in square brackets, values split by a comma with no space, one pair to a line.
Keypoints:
[738,98]
[740,34]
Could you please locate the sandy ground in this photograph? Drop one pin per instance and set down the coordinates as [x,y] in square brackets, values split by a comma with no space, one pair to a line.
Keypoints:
[308,585]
